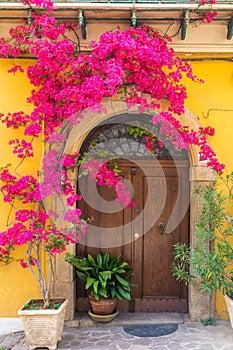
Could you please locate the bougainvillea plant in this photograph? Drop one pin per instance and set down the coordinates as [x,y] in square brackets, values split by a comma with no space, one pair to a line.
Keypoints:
[67,82]
[207,16]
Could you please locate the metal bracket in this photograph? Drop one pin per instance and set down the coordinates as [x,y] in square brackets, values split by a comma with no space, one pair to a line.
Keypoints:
[82,23]
[134,19]
[230,29]
[184,25]
[29,17]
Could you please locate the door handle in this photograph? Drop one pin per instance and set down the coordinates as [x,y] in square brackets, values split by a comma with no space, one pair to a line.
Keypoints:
[161,228]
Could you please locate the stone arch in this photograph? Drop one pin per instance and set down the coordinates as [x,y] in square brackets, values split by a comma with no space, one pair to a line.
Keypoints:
[201,305]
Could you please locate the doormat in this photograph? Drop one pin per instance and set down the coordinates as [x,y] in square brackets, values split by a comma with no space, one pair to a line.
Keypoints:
[151,330]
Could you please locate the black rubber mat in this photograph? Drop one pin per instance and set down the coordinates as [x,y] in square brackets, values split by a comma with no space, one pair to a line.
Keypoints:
[151,330]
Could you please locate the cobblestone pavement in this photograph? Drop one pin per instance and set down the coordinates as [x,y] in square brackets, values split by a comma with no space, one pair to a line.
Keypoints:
[189,336]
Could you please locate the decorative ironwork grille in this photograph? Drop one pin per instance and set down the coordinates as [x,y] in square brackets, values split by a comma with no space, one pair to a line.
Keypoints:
[115,140]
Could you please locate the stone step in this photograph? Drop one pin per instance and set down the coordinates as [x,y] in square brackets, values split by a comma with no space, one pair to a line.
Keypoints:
[127,319]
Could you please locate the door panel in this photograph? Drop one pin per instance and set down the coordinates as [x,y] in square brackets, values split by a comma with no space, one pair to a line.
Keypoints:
[161,193]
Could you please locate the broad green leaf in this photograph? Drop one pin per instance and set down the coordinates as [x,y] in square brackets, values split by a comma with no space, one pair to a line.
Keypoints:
[122,280]
[91,259]
[103,282]
[105,274]
[96,296]
[123,292]
[99,260]
[113,293]
[127,288]
[88,268]
[106,259]
[74,262]
[95,287]
[118,295]
[81,275]
[103,292]
[123,264]
[120,271]
[89,282]
[112,263]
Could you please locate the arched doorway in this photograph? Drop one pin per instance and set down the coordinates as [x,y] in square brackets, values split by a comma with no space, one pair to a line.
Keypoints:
[200,305]
[144,235]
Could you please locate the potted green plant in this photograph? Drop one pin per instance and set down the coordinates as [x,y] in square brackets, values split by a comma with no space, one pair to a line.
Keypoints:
[107,279]
[209,263]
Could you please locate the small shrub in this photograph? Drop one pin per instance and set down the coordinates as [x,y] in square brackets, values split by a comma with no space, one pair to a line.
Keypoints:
[209,322]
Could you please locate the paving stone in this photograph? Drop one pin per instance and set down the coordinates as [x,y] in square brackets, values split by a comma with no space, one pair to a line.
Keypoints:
[113,347]
[103,344]
[189,336]
[64,346]
[125,346]
[118,336]
[174,346]
[193,346]
[138,347]
[67,337]
[208,346]
[10,340]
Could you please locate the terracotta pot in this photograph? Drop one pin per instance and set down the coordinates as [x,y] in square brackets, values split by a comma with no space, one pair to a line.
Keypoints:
[43,328]
[104,306]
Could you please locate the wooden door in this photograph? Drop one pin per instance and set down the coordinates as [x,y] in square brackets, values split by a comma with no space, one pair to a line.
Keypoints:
[144,235]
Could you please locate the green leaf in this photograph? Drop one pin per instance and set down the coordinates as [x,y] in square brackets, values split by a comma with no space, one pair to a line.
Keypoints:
[113,262]
[103,282]
[120,271]
[87,268]
[122,280]
[113,293]
[82,275]
[105,274]
[89,282]
[103,292]
[99,260]
[91,259]
[127,288]
[123,264]
[123,292]
[95,287]
[96,296]
[118,295]
[74,261]
[106,259]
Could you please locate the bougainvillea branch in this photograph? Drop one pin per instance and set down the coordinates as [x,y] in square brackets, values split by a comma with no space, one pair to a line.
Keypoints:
[138,62]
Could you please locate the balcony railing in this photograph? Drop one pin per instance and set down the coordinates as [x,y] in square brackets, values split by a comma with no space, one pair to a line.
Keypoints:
[136,11]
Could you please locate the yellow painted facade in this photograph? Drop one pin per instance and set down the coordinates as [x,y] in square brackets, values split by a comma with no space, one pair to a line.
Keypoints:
[211,102]
[17,285]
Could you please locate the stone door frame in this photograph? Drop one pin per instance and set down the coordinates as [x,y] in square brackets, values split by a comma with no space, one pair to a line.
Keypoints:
[201,305]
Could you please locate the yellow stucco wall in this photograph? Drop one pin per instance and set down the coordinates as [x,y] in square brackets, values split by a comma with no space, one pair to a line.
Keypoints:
[217,94]
[17,284]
